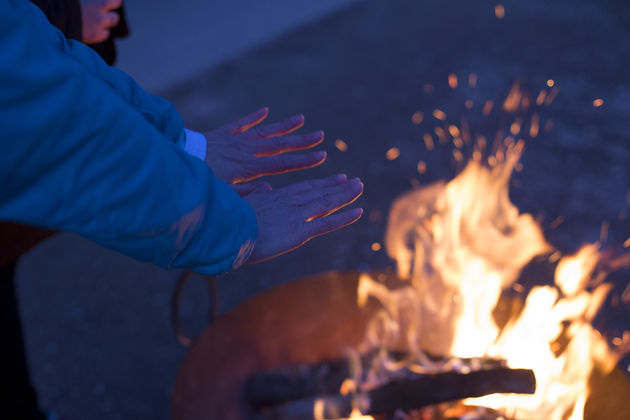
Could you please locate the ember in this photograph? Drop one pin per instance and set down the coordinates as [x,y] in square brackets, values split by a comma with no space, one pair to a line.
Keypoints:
[439,114]
[341,145]
[392,153]
[499,11]
[417,117]
[452,81]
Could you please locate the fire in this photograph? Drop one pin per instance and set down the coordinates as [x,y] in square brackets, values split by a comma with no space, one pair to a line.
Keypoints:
[573,272]
[356,414]
[459,245]
[318,413]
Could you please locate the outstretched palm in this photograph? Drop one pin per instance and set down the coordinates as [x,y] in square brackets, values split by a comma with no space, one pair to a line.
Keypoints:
[290,216]
[244,150]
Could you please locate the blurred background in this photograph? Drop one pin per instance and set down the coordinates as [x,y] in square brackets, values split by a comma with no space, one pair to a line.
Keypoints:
[97,324]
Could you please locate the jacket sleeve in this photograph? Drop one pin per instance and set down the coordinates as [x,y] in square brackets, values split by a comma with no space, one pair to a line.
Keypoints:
[156,110]
[77,156]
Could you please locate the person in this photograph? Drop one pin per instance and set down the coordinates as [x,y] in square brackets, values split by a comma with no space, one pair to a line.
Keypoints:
[96,23]
[86,150]
[102,21]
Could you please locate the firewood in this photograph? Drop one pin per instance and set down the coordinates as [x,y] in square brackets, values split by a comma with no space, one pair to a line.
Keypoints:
[409,394]
[290,383]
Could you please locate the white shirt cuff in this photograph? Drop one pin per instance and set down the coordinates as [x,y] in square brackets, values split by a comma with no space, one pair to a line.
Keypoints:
[195,144]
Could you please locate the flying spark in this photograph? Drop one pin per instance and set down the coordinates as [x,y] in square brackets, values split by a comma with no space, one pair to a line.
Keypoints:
[393,153]
[454,130]
[487,108]
[341,145]
[515,128]
[603,233]
[428,141]
[552,95]
[439,114]
[513,99]
[452,81]
[499,11]
[441,133]
[417,117]
[556,222]
[534,126]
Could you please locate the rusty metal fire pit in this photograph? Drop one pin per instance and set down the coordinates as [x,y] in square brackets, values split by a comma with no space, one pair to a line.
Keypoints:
[303,322]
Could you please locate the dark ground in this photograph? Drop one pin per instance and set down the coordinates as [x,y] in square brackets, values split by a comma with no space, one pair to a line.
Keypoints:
[97,324]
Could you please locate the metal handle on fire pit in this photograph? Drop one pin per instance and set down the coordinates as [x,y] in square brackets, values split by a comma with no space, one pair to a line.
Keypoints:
[213,292]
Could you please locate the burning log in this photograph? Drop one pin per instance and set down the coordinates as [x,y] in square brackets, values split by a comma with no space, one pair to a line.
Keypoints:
[302,330]
[408,394]
[290,383]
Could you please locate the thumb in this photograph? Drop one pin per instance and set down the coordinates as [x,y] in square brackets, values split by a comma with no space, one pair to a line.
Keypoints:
[251,188]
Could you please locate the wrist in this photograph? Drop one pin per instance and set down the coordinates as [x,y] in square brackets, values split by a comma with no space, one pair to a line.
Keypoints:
[195,144]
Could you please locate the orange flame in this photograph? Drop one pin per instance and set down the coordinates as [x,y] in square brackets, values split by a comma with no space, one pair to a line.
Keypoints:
[459,245]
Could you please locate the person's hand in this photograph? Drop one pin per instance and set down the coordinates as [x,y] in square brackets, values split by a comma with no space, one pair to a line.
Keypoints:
[254,187]
[290,216]
[243,150]
[98,18]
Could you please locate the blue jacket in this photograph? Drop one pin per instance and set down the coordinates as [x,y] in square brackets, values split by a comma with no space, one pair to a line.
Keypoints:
[84,149]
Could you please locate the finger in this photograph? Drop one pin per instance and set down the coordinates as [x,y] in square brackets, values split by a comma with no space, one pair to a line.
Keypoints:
[277,145]
[286,163]
[276,129]
[251,188]
[333,222]
[315,184]
[111,5]
[109,20]
[305,192]
[245,123]
[332,199]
